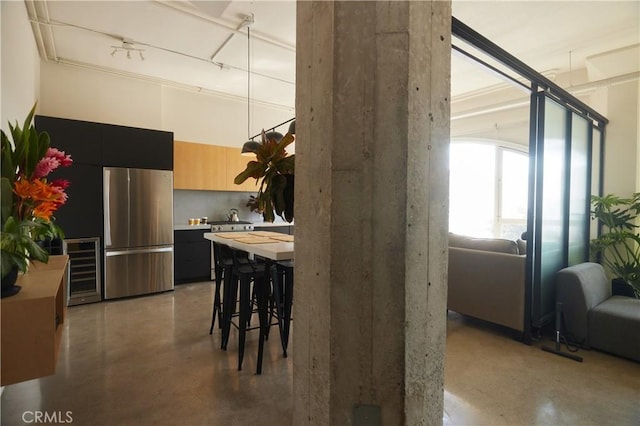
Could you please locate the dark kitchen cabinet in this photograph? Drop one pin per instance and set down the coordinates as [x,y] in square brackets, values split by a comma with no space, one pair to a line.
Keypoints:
[192,256]
[81,215]
[137,148]
[109,145]
[80,139]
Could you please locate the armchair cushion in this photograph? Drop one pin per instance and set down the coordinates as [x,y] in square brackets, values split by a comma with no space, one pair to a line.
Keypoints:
[614,326]
[485,244]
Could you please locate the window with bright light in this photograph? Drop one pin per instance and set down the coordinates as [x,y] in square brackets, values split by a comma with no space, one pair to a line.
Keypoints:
[487,190]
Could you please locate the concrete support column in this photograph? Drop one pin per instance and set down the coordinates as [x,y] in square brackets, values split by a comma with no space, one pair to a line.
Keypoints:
[372,135]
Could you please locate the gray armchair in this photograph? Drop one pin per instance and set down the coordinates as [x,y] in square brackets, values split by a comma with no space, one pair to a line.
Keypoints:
[595,318]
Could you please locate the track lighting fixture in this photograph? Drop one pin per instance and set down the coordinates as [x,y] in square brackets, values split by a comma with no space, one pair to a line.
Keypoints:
[127,46]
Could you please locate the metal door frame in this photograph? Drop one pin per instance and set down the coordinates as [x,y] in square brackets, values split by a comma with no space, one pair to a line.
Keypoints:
[539,88]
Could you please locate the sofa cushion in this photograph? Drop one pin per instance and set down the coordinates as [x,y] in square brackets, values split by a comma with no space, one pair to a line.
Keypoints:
[522,246]
[487,244]
[614,326]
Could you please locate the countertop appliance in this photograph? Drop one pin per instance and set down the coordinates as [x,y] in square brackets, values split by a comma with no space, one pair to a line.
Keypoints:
[138,231]
[230,226]
[233,215]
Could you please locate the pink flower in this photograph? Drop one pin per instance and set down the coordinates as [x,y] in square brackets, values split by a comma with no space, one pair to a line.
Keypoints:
[63,197]
[65,160]
[45,166]
[51,161]
[61,183]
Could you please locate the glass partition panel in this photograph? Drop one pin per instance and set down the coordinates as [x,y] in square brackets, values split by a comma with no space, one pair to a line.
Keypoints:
[595,175]
[579,188]
[551,250]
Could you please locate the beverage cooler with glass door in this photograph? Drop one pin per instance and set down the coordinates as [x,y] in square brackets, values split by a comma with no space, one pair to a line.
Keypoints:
[84,277]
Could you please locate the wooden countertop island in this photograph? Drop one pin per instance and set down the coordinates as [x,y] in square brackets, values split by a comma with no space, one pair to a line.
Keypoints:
[32,322]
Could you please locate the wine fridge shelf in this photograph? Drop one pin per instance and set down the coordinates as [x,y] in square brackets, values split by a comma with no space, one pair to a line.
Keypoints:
[84,284]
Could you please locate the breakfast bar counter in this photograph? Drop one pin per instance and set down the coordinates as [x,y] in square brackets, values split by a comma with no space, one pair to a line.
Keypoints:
[270,245]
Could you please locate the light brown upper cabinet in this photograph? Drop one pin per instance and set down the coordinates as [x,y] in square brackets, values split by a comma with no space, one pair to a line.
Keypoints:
[209,167]
[236,164]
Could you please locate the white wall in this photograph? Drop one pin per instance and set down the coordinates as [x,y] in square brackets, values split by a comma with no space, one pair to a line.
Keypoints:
[203,118]
[622,139]
[83,94]
[20,64]
[621,153]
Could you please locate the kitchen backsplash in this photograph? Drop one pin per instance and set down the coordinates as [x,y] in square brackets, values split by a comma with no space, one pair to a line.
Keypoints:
[213,204]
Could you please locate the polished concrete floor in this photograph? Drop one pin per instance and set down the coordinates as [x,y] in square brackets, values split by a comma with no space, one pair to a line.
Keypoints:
[151,361]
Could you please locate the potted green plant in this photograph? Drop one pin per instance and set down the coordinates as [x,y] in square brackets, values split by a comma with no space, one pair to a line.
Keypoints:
[274,169]
[618,245]
[28,199]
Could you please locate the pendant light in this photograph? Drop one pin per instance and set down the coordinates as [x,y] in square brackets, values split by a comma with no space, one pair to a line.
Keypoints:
[250,147]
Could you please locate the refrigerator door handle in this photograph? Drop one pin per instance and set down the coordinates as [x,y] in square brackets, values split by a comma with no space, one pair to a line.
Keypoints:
[107,208]
[141,250]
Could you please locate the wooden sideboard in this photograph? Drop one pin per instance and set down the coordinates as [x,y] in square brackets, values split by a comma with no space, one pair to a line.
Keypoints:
[32,322]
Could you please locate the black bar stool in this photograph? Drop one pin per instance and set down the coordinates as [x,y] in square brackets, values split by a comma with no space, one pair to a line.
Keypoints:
[243,273]
[282,298]
[222,269]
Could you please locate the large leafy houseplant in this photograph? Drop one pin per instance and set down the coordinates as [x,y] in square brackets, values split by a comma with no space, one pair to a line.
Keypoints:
[274,169]
[618,245]
[28,199]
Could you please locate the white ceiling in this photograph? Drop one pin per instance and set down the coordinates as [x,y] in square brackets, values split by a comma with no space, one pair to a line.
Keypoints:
[178,39]
[552,37]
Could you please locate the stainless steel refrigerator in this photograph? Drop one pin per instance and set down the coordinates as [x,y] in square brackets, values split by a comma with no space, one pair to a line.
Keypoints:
[138,231]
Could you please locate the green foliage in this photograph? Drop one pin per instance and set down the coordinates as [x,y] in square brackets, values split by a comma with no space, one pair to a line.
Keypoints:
[275,170]
[23,154]
[618,245]
[19,237]
[18,242]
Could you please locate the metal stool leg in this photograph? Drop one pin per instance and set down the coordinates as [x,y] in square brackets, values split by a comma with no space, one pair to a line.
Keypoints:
[263,302]
[229,303]
[245,283]
[288,303]
[216,300]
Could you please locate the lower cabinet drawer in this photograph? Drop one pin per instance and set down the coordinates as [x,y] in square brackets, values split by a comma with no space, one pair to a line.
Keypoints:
[192,261]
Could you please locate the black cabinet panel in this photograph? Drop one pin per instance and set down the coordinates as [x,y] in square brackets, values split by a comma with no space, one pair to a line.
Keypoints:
[192,256]
[191,236]
[138,148]
[108,144]
[80,139]
[81,216]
